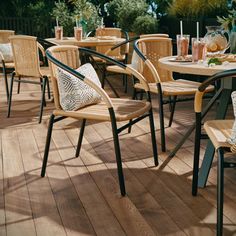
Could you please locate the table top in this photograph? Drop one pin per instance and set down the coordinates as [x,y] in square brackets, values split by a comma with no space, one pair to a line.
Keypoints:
[167,63]
[88,42]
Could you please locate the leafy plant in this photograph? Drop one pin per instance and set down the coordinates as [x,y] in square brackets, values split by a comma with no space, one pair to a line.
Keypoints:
[145,25]
[197,8]
[228,22]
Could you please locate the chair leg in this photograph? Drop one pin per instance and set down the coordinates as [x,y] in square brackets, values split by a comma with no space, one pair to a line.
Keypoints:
[117,152]
[47,146]
[196,154]
[18,87]
[48,88]
[42,99]
[220,191]
[161,117]
[81,134]
[154,144]
[10,95]
[172,111]
[6,81]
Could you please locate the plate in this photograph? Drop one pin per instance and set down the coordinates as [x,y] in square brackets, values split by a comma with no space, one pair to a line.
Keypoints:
[188,59]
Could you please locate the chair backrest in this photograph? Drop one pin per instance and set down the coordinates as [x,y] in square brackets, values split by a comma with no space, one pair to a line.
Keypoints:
[135,57]
[110,32]
[68,55]
[26,55]
[5,34]
[153,49]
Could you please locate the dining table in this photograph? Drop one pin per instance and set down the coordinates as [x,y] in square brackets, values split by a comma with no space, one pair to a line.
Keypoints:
[88,42]
[202,68]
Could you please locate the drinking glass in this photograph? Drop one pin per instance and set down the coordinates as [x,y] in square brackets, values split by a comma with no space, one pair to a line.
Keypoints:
[182,45]
[78,33]
[59,32]
[198,49]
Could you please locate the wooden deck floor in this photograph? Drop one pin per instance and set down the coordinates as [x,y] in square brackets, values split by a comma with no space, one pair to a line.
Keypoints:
[80,196]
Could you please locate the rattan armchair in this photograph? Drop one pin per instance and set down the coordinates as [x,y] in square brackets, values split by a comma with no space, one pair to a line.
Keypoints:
[113,110]
[218,132]
[161,81]
[6,67]
[27,65]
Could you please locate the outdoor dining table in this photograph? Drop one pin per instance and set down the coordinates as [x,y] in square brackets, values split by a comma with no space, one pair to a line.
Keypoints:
[227,86]
[88,42]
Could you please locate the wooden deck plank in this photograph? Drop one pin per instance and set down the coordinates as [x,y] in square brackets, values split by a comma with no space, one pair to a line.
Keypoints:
[2,202]
[71,210]
[19,218]
[44,209]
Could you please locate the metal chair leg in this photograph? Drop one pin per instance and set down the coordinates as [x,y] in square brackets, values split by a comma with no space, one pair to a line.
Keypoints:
[161,117]
[47,146]
[42,99]
[48,88]
[117,152]
[154,144]
[18,87]
[196,154]
[220,191]
[10,95]
[172,110]
[6,81]
[81,134]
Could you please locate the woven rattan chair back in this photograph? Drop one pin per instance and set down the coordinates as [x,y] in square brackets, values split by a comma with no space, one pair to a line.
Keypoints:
[110,32]
[26,55]
[5,34]
[154,48]
[68,55]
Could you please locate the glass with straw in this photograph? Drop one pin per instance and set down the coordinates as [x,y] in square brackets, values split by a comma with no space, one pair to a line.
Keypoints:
[78,31]
[58,31]
[182,43]
[198,47]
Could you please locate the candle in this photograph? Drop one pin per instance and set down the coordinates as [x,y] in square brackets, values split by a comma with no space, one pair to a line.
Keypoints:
[197,31]
[181,28]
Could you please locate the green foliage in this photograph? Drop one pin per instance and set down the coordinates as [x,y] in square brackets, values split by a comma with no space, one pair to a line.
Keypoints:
[197,8]
[85,11]
[145,25]
[132,15]
[228,23]
[63,14]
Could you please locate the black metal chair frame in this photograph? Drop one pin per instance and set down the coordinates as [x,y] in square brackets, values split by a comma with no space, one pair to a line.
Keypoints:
[220,151]
[115,129]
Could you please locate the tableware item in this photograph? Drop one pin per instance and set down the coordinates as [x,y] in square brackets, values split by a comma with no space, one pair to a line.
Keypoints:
[181,59]
[217,40]
[58,32]
[182,45]
[78,33]
[198,49]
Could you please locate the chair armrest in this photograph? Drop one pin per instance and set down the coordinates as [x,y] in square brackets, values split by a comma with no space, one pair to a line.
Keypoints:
[201,90]
[41,49]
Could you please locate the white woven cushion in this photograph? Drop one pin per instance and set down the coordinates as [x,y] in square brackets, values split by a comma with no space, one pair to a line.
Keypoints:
[74,93]
[6,51]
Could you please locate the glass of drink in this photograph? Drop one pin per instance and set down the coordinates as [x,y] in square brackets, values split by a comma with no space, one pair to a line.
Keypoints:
[78,33]
[199,49]
[58,32]
[182,45]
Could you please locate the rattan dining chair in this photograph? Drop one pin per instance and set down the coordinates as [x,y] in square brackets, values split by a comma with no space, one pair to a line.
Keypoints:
[161,81]
[218,131]
[27,65]
[113,110]
[6,66]
[120,53]
[134,58]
